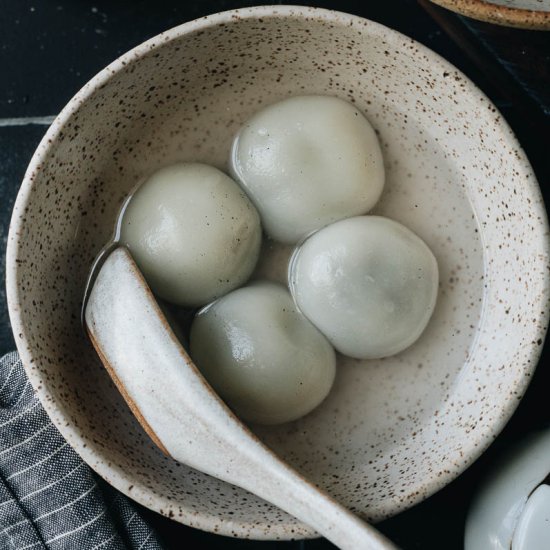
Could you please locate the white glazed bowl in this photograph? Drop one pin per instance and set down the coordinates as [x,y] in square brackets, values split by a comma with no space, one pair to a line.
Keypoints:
[392,431]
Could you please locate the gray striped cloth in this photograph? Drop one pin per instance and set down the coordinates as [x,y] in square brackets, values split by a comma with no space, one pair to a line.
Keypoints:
[49,498]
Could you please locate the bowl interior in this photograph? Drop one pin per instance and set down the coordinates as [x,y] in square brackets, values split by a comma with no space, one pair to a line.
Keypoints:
[392,431]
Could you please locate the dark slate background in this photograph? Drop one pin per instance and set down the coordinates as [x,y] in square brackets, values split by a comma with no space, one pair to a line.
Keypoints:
[49,49]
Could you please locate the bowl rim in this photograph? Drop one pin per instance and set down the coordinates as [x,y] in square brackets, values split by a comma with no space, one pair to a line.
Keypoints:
[498,14]
[115,476]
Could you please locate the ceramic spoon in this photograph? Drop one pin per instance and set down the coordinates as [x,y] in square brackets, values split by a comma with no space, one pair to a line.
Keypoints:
[185,417]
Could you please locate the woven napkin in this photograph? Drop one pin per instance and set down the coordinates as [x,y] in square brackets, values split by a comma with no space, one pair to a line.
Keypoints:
[49,498]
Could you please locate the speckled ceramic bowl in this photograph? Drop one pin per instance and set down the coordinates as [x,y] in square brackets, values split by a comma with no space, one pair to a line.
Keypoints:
[392,431]
[524,14]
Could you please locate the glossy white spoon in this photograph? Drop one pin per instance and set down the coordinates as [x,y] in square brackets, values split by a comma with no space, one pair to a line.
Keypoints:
[185,417]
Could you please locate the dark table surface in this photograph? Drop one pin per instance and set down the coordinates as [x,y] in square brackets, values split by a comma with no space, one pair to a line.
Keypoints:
[49,49]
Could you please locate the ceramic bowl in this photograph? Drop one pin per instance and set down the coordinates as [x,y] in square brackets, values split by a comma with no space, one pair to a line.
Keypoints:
[524,14]
[392,431]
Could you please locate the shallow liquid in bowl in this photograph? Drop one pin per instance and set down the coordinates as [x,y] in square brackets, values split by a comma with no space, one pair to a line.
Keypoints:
[381,403]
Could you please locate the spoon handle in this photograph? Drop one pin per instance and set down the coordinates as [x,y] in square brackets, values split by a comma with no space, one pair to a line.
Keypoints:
[270,478]
[186,418]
